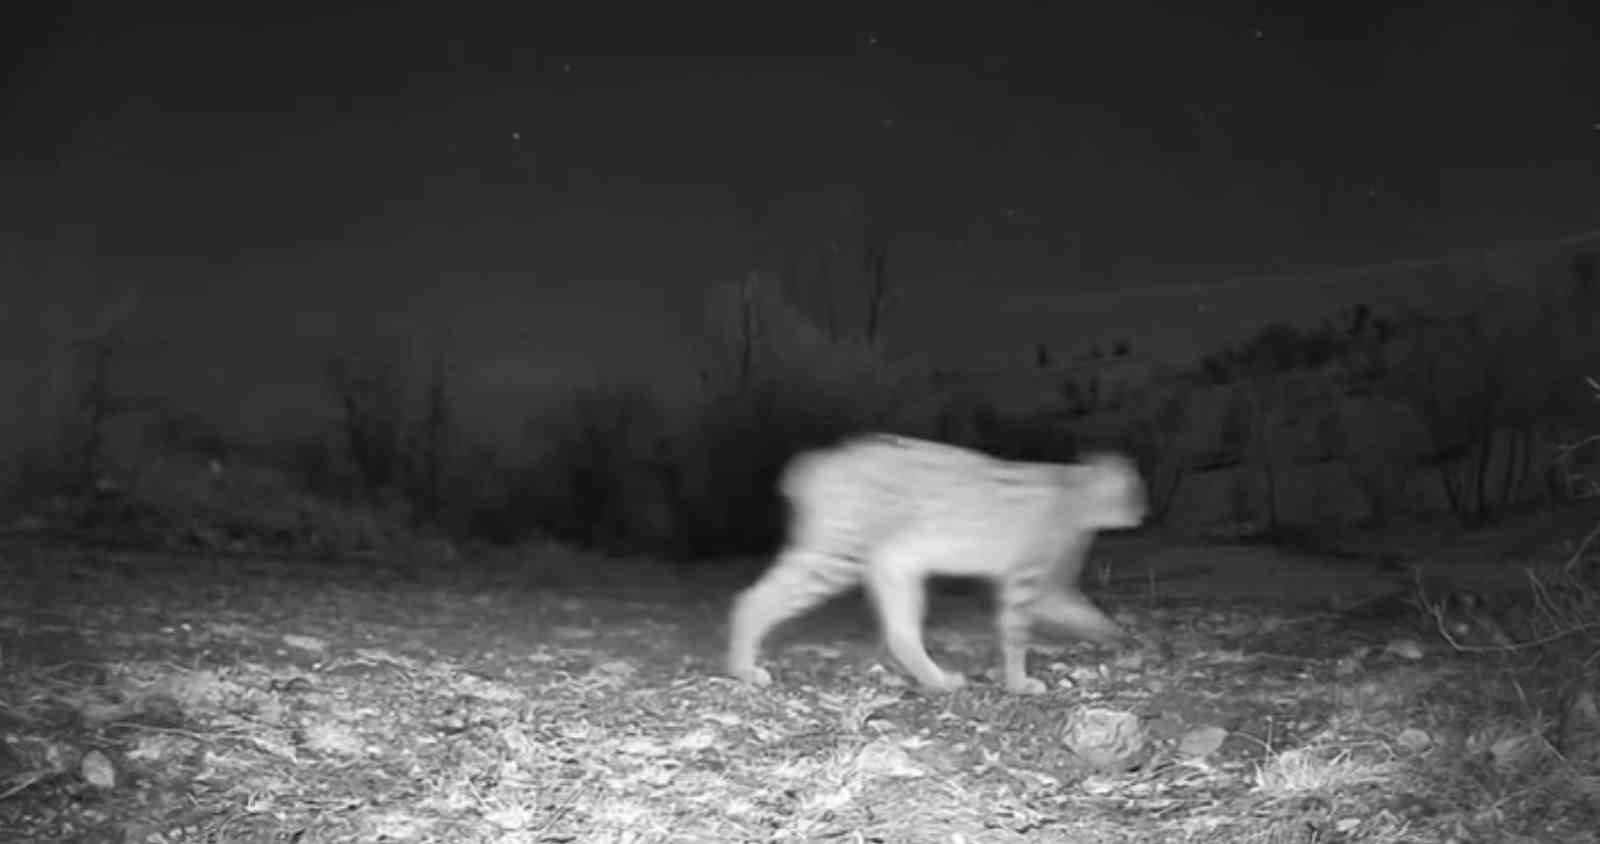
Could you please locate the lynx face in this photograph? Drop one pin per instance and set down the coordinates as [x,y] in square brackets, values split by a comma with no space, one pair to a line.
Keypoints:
[889,512]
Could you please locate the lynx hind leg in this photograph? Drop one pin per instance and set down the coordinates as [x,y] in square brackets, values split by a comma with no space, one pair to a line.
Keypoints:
[1075,614]
[896,582]
[797,581]
[1027,601]
[1014,616]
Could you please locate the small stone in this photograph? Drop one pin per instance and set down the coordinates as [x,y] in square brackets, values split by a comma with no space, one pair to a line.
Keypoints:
[97,770]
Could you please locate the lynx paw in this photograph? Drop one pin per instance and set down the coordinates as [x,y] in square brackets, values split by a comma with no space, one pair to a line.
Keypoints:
[944,682]
[1025,685]
[754,675]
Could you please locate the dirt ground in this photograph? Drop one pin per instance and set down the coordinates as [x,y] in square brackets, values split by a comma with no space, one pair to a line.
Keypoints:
[546,695]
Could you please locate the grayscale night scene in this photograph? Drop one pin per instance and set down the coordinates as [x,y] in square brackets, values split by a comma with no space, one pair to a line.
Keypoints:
[1027,421]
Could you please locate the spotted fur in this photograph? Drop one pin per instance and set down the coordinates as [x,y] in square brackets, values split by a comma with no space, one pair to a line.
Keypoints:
[888,512]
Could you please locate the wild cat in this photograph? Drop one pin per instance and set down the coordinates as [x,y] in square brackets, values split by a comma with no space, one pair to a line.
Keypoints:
[889,511]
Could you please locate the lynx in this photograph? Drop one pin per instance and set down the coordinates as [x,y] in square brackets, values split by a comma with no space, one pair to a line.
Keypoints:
[888,512]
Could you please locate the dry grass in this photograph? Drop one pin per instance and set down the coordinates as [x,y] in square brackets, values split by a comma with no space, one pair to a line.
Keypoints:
[549,696]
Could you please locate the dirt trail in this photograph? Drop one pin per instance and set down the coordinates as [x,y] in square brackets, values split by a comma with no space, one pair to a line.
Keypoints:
[562,698]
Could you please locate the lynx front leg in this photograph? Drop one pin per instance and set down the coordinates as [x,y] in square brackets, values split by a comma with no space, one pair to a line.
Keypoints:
[797,581]
[1014,623]
[897,584]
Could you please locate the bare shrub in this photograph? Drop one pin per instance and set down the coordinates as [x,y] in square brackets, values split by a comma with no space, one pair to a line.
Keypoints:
[726,461]
[247,505]
[1480,386]
[396,437]
[1280,383]
[593,449]
[371,397]
[58,452]
[617,468]
[776,384]
[1041,435]
[1161,438]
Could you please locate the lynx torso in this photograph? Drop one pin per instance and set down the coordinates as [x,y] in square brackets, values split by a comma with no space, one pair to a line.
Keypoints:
[889,511]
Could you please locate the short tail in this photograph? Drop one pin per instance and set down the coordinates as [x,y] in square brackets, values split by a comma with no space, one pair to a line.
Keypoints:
[798,474]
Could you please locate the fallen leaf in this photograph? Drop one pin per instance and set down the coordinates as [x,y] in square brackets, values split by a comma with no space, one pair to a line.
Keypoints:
[1415,740]
[305,643]
[1405,648]
[887,759]
[615,668]
[1201,741]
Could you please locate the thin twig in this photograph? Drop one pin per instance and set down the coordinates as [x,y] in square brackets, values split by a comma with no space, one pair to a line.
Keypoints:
[27,782]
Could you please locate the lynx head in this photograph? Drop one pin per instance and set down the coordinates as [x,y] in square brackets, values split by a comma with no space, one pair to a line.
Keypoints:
[1110,492]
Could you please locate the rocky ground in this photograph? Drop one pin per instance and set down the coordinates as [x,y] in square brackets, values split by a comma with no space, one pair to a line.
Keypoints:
[546,695]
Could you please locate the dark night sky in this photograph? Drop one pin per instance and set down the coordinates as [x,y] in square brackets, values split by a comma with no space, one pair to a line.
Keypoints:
[558,191]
